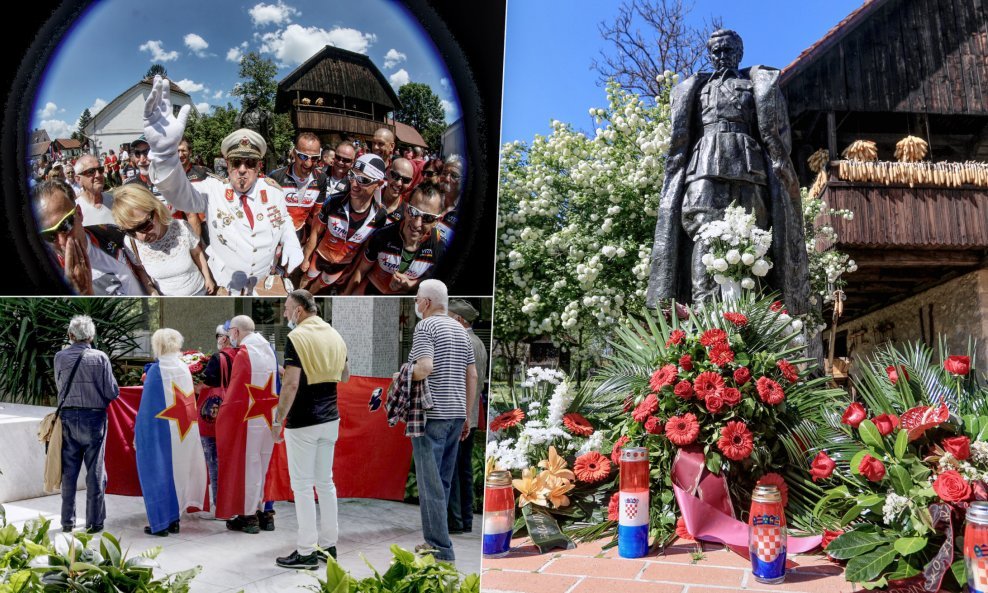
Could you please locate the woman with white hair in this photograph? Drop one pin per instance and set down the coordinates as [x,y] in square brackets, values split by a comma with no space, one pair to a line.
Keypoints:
[170,461]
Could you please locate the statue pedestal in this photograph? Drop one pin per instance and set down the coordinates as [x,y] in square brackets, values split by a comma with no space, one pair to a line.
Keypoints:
[730,290]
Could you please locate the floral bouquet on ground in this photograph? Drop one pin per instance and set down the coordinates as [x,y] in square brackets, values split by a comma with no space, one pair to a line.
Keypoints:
[714,399]
[196,361]
[736,248]
[902,465]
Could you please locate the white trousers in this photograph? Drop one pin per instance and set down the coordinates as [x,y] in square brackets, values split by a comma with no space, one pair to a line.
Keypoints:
[310,465]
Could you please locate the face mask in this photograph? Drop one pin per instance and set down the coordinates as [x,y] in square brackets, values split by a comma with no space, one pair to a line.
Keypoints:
[293,322]
[233,342]
[417,312]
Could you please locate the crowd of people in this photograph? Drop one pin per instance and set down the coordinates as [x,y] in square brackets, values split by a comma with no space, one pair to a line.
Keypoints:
[222,432]
[337,220]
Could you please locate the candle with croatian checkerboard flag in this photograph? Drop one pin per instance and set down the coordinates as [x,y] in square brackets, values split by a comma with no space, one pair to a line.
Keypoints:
[633,497]
[976,547]
[767,535]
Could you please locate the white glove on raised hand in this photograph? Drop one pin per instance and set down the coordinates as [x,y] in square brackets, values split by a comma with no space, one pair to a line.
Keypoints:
[291,257]
[163,130]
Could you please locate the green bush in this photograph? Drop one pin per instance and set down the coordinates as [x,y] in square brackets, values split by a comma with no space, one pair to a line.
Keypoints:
[408,573]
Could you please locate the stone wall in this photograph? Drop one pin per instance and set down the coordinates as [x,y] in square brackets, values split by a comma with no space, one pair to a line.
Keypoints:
[372,331]
[196,319]
[958,310]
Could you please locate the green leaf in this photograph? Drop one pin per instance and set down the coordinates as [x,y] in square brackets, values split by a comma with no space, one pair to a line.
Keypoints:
[852,544]
[868,567]
[959,570]
[870,435]
[902,569]
[901,444]
[856,461]
[910,545]
[852,514]
[901,481]
[714,463]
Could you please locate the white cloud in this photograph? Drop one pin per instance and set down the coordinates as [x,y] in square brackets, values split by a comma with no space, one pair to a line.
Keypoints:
[196,44]
[235,53]
[190,86]
[57,128]
[450,109]
[158,53]
[49,110]
[218,95]
[295,44]
[393,58]
[399,79]
[97,106]
[444,82]
[203,108]
[272,14]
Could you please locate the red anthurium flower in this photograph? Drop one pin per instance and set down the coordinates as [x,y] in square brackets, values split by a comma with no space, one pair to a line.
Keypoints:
[854,415]
[893,373]
[822,466]
[829,536]
[681,531]
[958,365]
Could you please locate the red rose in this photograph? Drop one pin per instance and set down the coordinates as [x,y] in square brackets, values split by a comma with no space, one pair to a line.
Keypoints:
[654,425]
[959,447]
[742,375]
[822,466]
[714,403]
[675,337]
[952,487]
[872,468]
[713,336]
[738,319]
[829,536]
[958,365]
[613,507]
[195,367]
[893,373]
[854,414]
[686,362]
[707,383]
[778,307]
[645,409]
[731,396]
[769,391]
[684,390]
[664,376]
[886,423]
[789,371]
[721,354]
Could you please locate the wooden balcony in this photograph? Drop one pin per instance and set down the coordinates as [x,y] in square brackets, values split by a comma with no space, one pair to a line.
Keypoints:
[316,119]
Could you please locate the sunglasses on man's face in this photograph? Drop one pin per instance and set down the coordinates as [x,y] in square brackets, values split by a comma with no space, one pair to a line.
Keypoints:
[360,179]
[140,153]
[307,157]
[396,177]
[249,163]
[61,227]
[142,228]
[92,171]
[343,160]
[425,216]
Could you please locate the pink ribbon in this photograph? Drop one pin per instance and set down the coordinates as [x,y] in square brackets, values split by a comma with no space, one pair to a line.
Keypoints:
[705,502]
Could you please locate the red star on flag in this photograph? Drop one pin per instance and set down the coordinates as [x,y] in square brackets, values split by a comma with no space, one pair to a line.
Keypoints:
[182,411]
[262,401]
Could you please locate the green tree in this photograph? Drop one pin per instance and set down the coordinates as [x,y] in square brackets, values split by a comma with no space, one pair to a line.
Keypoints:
[421,109]
[206,131]
[156,69]
[84,119]
[258,86]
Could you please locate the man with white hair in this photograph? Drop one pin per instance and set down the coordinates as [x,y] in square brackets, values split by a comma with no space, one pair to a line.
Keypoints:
[86,386]
[247,220]
[443,353]
[243,429]
[94,203]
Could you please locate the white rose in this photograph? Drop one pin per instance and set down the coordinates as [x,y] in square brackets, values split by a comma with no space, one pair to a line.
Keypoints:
[720,264]
[747,258]
[797,325]
[707,259]
[720,278]
[760,268]
[747,283]
[784,318]
[733,256]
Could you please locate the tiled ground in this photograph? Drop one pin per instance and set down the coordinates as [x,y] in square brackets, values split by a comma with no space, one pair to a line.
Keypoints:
[233,561]
[682,568]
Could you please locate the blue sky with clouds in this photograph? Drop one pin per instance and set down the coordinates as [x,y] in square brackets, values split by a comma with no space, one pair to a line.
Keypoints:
[200,42]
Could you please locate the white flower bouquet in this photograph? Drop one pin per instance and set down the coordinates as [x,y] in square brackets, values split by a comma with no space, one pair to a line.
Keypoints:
[736,249]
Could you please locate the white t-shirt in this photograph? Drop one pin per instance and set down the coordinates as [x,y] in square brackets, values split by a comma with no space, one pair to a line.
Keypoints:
[112,276]
[168,261]
[96,214]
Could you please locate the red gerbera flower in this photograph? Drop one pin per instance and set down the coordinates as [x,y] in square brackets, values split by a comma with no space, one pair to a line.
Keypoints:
[681,531]
[507,419]
[789,371]
[646,408]
[731,396]
[769,391]
[675,337]
[654,425]
[684,390]
[774,479]
[713,336]
[682,430]
[591,467]
[707,383]
[577,424]
[738,319]
[721,354]
[612,508]
[742,375]
[616,450]
[736,441]
[664,376]
[686,362]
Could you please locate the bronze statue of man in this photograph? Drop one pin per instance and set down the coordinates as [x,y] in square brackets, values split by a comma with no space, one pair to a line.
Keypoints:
[730,143]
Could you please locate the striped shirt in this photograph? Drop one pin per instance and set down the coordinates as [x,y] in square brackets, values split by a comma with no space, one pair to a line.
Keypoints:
[449,346]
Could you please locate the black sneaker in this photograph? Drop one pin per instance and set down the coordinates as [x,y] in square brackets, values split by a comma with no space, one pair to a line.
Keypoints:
[94,529]
[265,520]
[296,560]
[67,528]
[322,554]
[245,523]
[174,527]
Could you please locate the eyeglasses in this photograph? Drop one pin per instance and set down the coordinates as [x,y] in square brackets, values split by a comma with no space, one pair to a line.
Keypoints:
[218,336]
[430,174]
[342,160]
[306,157]
[140,153]
[425,216]
[62,226]
[237,163]
[360,179]
[396,176]
[142,228]
[92,171]
[453,176]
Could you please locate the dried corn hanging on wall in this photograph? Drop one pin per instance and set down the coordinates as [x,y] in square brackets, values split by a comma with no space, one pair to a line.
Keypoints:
[911,149]
[861,150]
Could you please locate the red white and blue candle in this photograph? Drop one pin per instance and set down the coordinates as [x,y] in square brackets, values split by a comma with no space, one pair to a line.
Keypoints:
[633,498]
[767,535]
[499,514]
[976,547]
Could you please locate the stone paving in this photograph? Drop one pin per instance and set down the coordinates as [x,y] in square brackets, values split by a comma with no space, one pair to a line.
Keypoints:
[233,561]
[684,567]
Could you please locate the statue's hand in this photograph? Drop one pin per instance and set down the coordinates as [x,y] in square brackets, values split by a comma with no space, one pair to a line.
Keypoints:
[787,179]
[163,130]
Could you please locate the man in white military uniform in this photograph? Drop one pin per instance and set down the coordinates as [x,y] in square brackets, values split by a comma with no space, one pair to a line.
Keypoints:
[247,220]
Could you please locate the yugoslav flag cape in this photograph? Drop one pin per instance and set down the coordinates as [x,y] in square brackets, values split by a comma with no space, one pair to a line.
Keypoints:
[243,428]
[170,461]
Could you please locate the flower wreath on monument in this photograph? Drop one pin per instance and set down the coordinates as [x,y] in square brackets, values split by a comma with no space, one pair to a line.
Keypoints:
[900,467]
